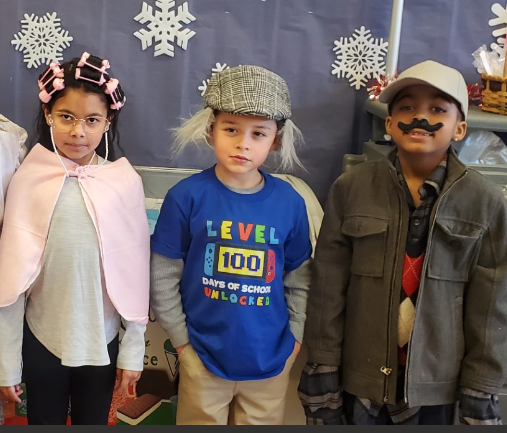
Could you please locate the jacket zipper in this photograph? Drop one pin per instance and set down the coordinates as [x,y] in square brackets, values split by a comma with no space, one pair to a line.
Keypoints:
[423,272]
[385,368]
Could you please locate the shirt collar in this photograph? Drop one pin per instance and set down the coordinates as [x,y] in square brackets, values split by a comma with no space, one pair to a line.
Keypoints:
[434,182]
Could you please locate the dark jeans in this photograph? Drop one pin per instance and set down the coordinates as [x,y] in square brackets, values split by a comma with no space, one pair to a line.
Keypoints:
[356,414]
[50,386]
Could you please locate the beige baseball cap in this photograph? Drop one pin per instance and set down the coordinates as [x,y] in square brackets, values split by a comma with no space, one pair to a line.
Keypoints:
[442,77]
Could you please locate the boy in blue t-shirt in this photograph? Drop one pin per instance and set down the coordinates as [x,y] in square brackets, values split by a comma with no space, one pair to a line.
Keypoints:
[231,257]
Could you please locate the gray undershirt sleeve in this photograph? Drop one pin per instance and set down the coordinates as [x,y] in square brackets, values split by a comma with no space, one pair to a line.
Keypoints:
[297,287]
[165,298]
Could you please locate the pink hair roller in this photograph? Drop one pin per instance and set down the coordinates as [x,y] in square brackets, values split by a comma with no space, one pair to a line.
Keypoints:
[57,72]
[58,84]
[111,87]
[79,77]
[83,61]
[44,96]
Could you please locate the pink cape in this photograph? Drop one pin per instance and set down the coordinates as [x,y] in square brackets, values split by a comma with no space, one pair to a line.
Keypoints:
[114,197]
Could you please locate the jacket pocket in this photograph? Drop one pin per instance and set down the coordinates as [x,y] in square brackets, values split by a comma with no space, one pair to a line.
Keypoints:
[454,249]
[369,237]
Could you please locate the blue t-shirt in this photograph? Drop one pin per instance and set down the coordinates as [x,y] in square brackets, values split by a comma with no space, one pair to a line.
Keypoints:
[235,248]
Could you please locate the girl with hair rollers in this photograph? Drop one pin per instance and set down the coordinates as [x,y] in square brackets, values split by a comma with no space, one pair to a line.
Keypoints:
[74,255]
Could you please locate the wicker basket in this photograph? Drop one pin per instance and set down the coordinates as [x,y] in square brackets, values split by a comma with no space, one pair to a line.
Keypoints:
[494,94]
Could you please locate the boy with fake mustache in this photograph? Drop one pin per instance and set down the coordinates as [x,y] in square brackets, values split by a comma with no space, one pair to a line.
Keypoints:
[407,313]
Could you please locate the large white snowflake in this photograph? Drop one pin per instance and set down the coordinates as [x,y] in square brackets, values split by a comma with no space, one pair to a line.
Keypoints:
[359,57]
[164,26]
[218,68]
[41,39]
[501,19]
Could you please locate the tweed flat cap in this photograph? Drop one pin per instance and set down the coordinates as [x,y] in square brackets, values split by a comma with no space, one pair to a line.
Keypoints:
[249,90]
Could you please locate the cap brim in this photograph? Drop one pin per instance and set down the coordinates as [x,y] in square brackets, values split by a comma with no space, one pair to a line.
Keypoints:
[392,89]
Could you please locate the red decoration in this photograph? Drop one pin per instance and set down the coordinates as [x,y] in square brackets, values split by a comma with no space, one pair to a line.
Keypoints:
[377,84]
[475,93]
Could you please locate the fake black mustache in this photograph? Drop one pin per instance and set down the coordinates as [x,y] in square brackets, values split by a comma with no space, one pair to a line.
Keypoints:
[420,124]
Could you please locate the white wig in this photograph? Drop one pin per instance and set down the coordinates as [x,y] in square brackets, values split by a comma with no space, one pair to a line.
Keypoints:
[196,130]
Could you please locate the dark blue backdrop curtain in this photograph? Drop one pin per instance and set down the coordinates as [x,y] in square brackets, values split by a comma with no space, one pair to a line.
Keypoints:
[294,38]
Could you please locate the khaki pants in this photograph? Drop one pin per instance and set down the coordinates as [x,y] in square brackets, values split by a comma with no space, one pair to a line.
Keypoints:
[204,398]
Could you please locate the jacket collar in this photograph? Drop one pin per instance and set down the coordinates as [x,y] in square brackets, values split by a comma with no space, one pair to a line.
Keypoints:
[455,168]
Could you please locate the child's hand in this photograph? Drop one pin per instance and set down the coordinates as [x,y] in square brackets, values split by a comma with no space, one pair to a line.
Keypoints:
[11,393]
[125,378]
[180,348]
[297,348]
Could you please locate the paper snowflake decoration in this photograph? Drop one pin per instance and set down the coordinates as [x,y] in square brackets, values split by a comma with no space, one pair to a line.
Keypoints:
[164,27]
[501,19]
[218,68]
[41,39]
[359,57]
